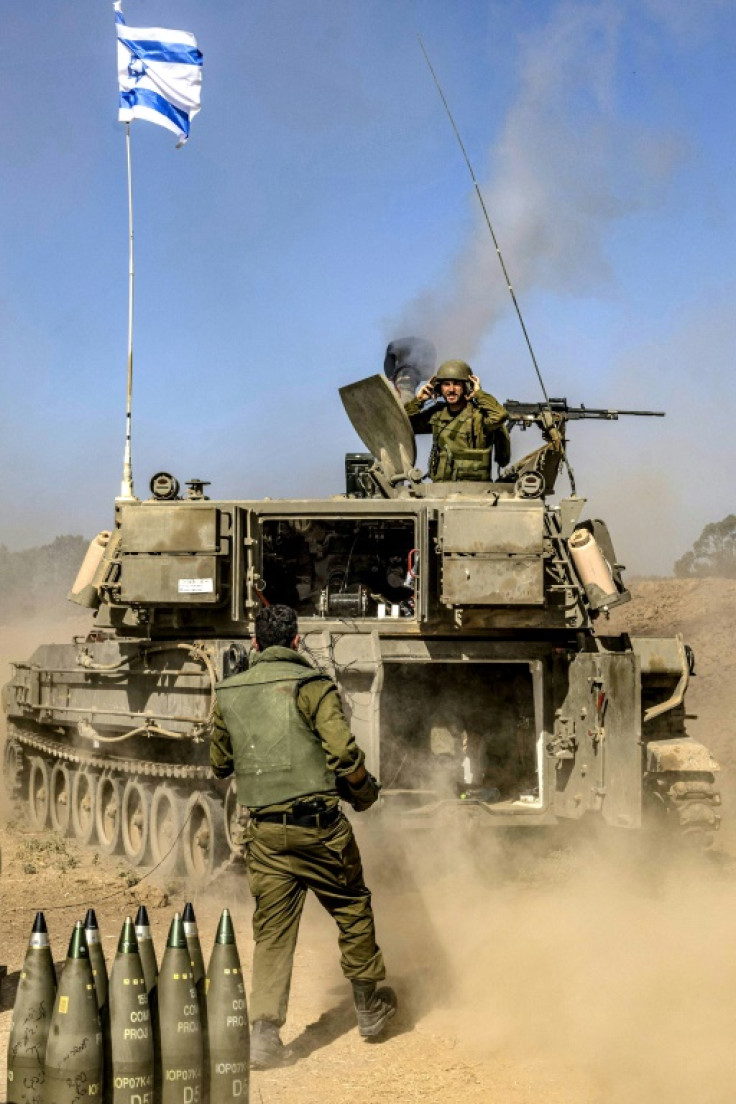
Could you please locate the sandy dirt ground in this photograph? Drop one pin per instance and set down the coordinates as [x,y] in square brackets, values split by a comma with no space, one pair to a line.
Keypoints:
[569,967]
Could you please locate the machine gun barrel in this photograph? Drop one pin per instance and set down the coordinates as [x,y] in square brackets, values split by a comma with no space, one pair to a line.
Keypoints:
[520,411]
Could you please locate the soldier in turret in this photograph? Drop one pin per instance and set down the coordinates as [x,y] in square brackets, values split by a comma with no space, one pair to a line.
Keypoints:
[467,425]
[279,726]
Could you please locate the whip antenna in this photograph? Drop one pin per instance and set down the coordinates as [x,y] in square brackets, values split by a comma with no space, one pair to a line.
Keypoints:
[497,248]
[486,217]
[126,487]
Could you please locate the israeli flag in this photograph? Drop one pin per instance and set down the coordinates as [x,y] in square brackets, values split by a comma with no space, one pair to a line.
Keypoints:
[160,75]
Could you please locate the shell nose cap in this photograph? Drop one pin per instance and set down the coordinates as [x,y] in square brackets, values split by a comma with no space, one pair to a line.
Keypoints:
[78,943]
[39,925]
[128,943]
[225,931]
[177,936]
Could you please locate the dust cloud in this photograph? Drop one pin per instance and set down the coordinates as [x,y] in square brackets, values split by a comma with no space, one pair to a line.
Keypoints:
[592,954]
[597,951]
[595,955]
[18,641]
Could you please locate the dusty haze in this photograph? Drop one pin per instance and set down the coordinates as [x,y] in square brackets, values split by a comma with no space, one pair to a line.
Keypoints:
[570,967]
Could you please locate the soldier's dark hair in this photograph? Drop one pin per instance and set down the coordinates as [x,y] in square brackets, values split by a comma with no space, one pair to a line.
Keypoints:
[275,626]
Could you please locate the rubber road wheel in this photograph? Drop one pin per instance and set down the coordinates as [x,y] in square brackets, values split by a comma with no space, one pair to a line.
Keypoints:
[38,793]
[12,767]
[136,821]
[109,814]
[60,803]
[203,839]
[84,791]
[167,817]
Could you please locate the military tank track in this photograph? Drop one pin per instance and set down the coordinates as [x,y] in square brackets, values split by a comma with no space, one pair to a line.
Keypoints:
[686,803]
[157,814]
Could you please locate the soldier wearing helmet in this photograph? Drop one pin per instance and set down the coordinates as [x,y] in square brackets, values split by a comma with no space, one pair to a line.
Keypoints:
[467,425]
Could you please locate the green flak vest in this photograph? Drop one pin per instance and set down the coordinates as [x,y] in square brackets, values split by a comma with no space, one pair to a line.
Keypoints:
[276,754]
[451,459]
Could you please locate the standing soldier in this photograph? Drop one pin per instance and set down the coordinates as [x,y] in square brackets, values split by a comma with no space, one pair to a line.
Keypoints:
[467,425]
[280,727]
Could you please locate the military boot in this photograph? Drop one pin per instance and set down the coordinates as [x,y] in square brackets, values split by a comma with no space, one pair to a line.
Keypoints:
[266,1049]
[374,1007]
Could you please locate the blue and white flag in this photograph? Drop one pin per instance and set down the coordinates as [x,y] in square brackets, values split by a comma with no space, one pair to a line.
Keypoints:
[160,75]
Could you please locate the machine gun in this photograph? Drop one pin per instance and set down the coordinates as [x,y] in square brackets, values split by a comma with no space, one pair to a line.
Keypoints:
[530,412]
[539,469]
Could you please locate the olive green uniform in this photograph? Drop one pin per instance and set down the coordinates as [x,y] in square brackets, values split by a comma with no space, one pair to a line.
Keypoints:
[464,443]
[279,726]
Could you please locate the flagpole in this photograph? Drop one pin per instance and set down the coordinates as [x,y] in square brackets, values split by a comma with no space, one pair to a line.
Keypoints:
[170,102]
[126,487]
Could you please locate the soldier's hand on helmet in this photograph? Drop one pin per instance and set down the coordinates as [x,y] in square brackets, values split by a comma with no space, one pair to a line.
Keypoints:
[475,384]
[427,390]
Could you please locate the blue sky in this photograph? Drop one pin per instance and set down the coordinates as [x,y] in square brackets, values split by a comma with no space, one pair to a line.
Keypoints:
[322,207]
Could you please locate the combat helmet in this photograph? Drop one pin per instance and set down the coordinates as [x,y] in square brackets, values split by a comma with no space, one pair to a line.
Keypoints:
[454,370]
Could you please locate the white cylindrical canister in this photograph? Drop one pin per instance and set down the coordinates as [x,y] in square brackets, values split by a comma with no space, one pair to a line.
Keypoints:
[591,565]
[91,561]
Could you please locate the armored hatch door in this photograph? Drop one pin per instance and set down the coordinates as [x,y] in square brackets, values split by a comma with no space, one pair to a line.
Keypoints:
[492,555]
[594,750]
[381,422]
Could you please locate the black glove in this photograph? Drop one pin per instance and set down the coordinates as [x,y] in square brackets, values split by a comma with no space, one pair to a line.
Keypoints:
[362,795]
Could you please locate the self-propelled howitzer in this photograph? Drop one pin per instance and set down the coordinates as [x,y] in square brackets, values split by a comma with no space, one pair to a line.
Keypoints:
[465,623]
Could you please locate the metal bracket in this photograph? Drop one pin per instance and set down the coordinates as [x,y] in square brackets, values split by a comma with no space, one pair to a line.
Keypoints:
[679,691]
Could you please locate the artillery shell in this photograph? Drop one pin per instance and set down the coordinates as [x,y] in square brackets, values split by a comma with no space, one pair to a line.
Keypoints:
[130,1078]
[227,1013]
[179,1023]
[146,949]
[96,957]
[147,953]
[99,973]
[189,920]
[74,1048]
[194,947]
[34,1004]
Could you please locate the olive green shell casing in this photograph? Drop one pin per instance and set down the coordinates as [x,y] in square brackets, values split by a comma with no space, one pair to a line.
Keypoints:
[179,1022]
[29,1030]
[74,1058]
[130,1076]
[194,947]
[146,949]
[227,1015]
[96,957]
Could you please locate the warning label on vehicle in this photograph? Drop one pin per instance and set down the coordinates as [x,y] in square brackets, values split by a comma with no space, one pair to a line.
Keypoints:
[196,586]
